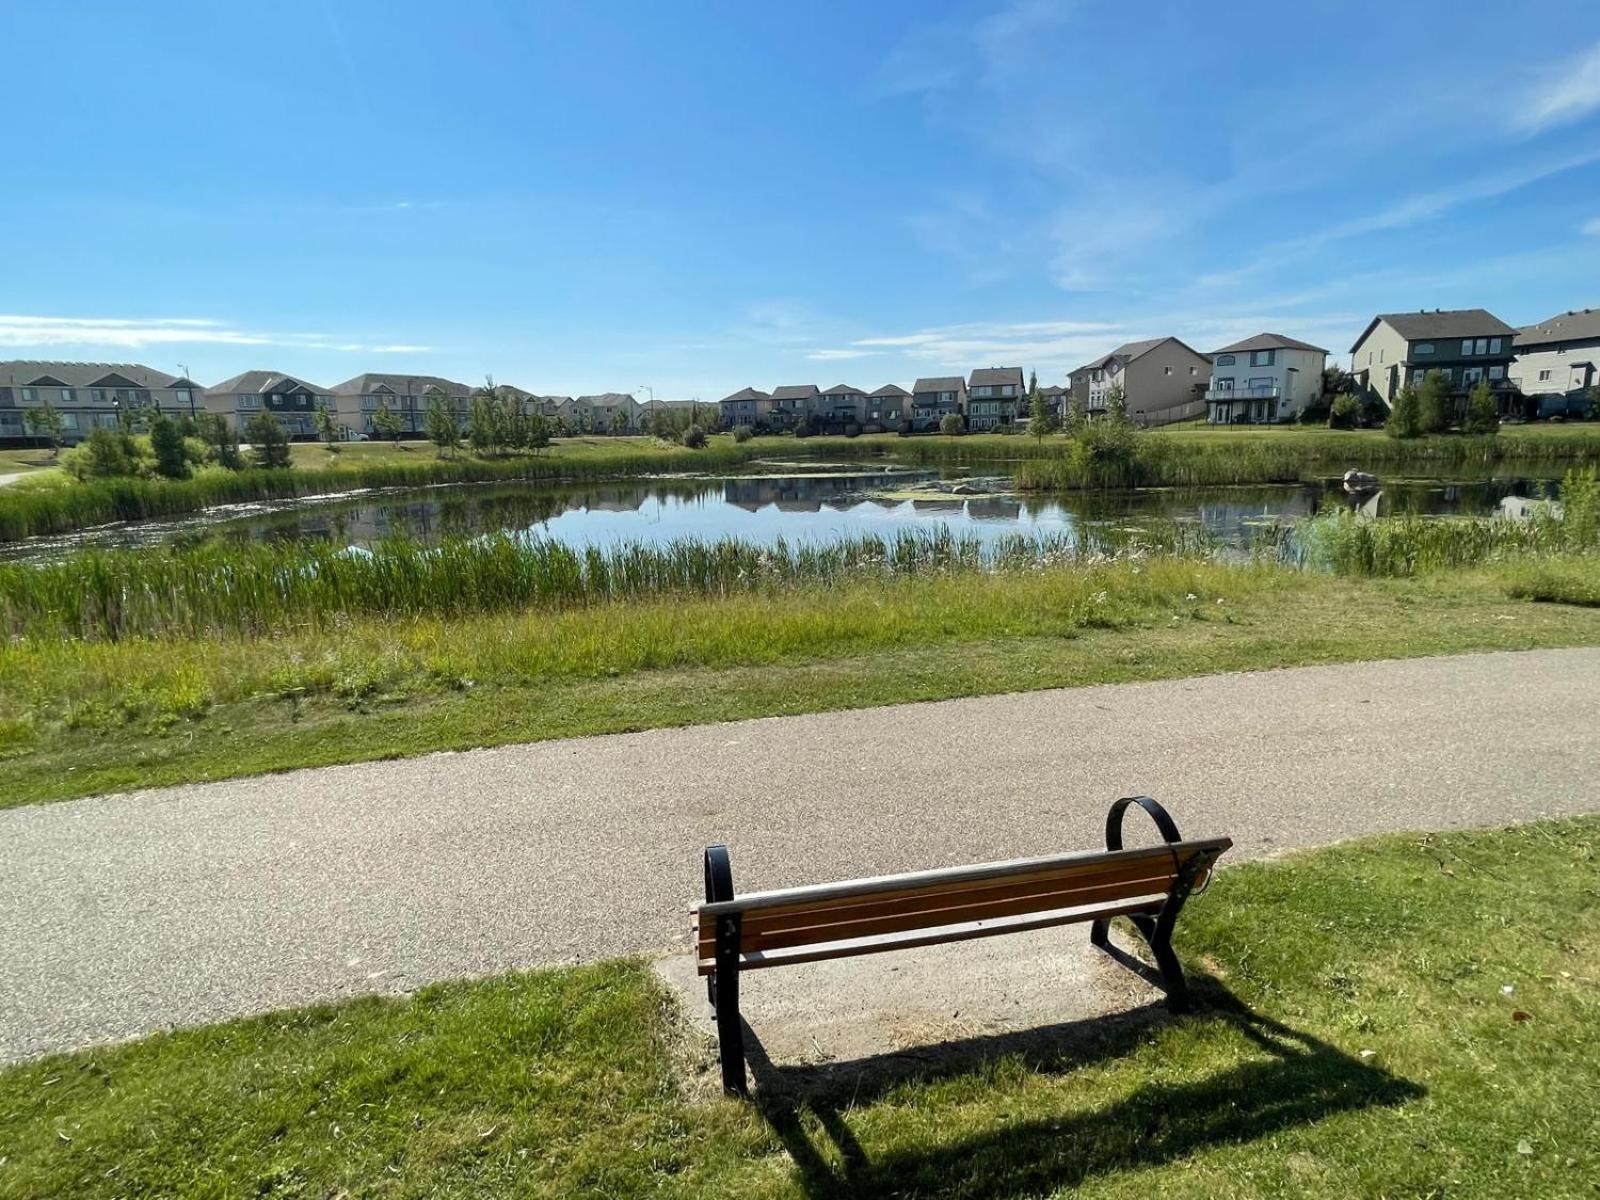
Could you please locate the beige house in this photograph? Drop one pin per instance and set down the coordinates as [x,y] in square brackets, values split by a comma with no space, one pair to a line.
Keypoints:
[1557,362]
[293,401]
[1162,380]
[87,394]
[357,401]
[1266,378]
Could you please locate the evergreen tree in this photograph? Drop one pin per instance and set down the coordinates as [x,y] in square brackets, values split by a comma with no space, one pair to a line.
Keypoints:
[270,442]
[45,422]
[166,443]
[442,431]
[1117,405]
[1075,413]
[1483,416]
[1433,403]
[327,430]
[1040,419]
[386,422]
[483,429]
[218,434]
[1405,416]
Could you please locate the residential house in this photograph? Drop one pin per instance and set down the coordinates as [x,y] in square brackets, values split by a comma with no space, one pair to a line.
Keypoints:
[748,406]
[1056,399]
[293,401]
[607,412]
[793,404]
[1161,380]
[357,401]
[87,394]
[1464,345]
[1265,378]
[1557,362]
[888,406]
[935,398]
[842,406]
[994,397]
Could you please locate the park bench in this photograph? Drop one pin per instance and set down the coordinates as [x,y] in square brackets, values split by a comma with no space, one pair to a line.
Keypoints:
[1148,885]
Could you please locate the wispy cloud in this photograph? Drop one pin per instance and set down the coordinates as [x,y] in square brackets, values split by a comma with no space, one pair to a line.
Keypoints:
[1570,91]
[137,333]
[839,355]
[1591,227]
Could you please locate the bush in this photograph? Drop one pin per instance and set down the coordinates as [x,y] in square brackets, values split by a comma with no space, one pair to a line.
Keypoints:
[1483,417]
[166,443]
[1405,418]
[951,425]
[903,429]
[271,442]
[694,438]
[1343,412]
[852,430]
[1316,411]
[743,433]
[104,454]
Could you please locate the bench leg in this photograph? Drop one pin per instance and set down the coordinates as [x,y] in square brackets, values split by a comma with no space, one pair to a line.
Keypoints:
[1100,933]
[725,996]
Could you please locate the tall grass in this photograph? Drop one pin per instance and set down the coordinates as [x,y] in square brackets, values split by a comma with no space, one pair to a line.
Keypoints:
[1408,545]
[29,512]
[259,588]
[1157,461]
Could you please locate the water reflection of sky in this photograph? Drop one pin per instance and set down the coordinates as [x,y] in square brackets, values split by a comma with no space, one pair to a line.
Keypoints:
[766,508]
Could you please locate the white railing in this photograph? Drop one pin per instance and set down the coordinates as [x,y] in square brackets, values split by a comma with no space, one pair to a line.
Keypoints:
[1244,393]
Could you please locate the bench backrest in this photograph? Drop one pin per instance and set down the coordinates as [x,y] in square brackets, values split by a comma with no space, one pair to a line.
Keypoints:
[860,915]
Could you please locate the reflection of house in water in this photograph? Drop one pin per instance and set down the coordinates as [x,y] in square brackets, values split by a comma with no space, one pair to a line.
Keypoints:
[953,505]
[993,510]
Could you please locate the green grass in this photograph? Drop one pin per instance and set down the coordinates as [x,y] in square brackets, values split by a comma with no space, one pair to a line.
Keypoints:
[1355,1038]
[79,718]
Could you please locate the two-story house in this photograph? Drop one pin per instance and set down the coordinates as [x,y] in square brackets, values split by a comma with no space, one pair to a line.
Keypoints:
[747,406]
[1265,378]
[1161,380]
[293,401]
[994,397]
[888,406]
[1464,345]
[408,397]
[936,397]
[841,406]
[1557,362]
[792,404]
[87,394]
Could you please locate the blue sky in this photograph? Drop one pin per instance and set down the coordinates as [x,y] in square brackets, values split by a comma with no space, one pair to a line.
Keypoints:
[599,196]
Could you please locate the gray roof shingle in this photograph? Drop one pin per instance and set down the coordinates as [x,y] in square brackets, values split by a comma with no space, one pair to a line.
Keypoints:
[259,381]
[940,383]
[1269,341]
[22,372]
[1440,323]
[1579,325]
[891,389]
[996,376]
[799,391]
[400,384]
[748,393]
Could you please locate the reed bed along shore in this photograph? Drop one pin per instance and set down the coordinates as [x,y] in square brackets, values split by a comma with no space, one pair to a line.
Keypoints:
[261,588]
[1176,461]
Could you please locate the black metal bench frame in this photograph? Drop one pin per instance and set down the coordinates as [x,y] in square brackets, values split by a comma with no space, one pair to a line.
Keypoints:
[722,983]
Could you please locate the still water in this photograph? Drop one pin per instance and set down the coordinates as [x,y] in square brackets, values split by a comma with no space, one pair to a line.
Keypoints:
[796,507]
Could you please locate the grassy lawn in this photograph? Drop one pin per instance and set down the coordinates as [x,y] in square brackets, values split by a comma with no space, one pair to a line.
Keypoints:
[82,718]
[1410,1016]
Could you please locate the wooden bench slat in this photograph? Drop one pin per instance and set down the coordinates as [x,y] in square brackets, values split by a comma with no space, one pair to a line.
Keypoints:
[930,894]
[954,875]
[953,908]
[819,952]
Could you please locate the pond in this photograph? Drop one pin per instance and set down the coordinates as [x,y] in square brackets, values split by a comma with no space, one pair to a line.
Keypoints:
[804,505]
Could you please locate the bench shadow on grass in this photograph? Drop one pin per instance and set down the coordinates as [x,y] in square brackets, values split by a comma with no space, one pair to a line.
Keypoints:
[1303,1081]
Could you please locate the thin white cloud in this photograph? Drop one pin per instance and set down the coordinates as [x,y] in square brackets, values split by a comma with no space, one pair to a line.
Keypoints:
[1591,227]
[1568,93]
[23,331]
[839,355]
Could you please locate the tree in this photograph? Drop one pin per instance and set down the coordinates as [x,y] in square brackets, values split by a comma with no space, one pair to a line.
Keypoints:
[166,443]
[327,430]
[1041,420]
[386,422]
[270,442]
[107,454]
[743,433]
[1405,415]
[694,437]
[951,425]
[1117,405]
[1433,403]
[442,431]
[1483,415]
[1336,381]
[619,421]
[1075,414]
[218,434]
[538,432]
[483,430]
[45,422]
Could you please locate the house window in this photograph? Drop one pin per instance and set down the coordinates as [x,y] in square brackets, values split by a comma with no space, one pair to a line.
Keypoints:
[1166,370]
[1417,376]
[1497,372]
[249,401]
[69,420]
[27,395]
[1466,345]
[1481,346]
[1494,345]
[66,396]
[1194,370]
[1423,348]
[1380,355]
[1544,376]
[1262,358]
[1226,360]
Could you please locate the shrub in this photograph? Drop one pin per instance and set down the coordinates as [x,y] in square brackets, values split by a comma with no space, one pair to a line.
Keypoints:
[743,433]
[694,438]
[166,443]
[271,442]
[951,425]
[104,454]
[1433,403]
[852,430]
[1342,413]
[1482,415]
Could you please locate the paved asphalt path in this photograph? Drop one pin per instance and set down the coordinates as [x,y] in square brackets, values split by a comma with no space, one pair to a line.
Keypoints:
[125,914]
